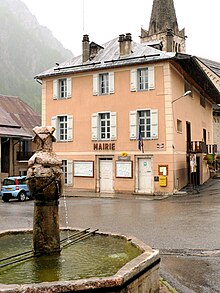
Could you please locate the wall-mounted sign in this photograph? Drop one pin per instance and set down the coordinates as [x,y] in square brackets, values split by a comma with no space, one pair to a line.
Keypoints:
[104,146]
[83,168]
[160,146]
[124,169]
[163,170]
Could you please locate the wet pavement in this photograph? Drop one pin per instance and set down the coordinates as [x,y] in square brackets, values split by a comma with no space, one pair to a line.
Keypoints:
[185,228]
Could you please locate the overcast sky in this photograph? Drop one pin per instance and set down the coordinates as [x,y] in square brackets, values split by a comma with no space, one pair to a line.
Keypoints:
[104,20]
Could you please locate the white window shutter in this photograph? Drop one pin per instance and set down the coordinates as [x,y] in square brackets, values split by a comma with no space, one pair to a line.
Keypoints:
[95,126]
[95,84]
[54,124]
[55,89]
[133,80]
[113,123]
[69,127]
[154,124]
[111,82]
[133,124]
[69,172]
[69,87]
[151,79]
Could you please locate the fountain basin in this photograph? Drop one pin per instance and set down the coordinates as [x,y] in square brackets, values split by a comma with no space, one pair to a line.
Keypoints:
[138,272]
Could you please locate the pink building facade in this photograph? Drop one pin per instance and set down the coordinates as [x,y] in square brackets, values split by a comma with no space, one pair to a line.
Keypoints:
[129,118]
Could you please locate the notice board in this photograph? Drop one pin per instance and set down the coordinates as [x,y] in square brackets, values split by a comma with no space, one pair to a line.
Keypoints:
[83,168]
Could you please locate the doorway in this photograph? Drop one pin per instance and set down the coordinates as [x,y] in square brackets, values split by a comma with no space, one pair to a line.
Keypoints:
[145,183]
[106,175]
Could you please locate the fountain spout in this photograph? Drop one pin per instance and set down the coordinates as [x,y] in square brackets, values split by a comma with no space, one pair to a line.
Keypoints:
[44,177]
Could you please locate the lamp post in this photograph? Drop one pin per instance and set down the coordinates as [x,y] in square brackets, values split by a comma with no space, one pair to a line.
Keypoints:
[174,151]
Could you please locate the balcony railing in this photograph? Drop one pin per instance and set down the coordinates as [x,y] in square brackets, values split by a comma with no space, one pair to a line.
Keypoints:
[21,156]
[201,147]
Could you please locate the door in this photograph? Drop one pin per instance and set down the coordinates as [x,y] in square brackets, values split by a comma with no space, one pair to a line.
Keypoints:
[145,183]
[106,175]
[188,136]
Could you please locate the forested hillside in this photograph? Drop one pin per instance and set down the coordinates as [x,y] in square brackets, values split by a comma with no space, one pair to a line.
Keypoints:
[26,49]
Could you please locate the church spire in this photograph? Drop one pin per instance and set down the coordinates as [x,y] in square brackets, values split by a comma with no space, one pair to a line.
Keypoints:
[163,32]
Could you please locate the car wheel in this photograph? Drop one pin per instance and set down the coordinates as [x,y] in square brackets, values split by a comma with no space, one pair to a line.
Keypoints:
[22,196]
[5,199]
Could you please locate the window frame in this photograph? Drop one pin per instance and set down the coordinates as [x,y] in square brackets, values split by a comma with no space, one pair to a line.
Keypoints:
[96,126]
[143,79]
[144,128]
[105,128]
[64,128]
[62,88]
[134,124]
[103,84]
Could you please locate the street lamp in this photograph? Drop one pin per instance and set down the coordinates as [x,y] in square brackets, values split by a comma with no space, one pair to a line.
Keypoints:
[184,95]
[174,151]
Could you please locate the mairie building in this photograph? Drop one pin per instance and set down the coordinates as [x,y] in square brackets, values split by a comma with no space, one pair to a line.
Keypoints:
[127,116]
[131,117]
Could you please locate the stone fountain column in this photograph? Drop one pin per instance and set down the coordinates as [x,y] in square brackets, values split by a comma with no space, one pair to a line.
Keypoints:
[45,183]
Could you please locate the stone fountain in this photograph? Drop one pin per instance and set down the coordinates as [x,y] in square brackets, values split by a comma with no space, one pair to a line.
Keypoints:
[45,181]
[135,265]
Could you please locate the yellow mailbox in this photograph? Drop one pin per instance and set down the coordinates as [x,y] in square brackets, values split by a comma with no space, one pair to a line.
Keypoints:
[163,181]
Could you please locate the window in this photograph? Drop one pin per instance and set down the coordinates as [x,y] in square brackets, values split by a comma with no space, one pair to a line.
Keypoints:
[104,126]
[103,83]
[179,126]
[67,168]
[145,121]
[62,88]
[64,169]
[63,127]
[142,79]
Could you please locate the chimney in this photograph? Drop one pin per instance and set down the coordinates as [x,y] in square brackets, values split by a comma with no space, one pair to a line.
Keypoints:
[85,48]
[125,42]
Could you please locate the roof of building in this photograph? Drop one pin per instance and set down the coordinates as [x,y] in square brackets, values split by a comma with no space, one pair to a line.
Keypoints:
[107,57]
[141,53]
[213,65]
[17,119]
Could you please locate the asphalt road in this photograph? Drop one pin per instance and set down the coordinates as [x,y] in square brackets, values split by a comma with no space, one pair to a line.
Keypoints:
[186,229]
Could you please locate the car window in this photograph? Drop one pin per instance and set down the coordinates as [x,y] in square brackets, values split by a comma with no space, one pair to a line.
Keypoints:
[8,182]
[22,181]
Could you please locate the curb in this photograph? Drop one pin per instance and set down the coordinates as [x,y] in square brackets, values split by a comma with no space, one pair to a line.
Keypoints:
[165,287]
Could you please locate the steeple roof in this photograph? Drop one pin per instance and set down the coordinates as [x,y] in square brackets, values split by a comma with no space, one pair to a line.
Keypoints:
[163,17]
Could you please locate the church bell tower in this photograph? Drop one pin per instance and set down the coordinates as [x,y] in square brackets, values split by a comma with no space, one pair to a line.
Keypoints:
[163,32]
